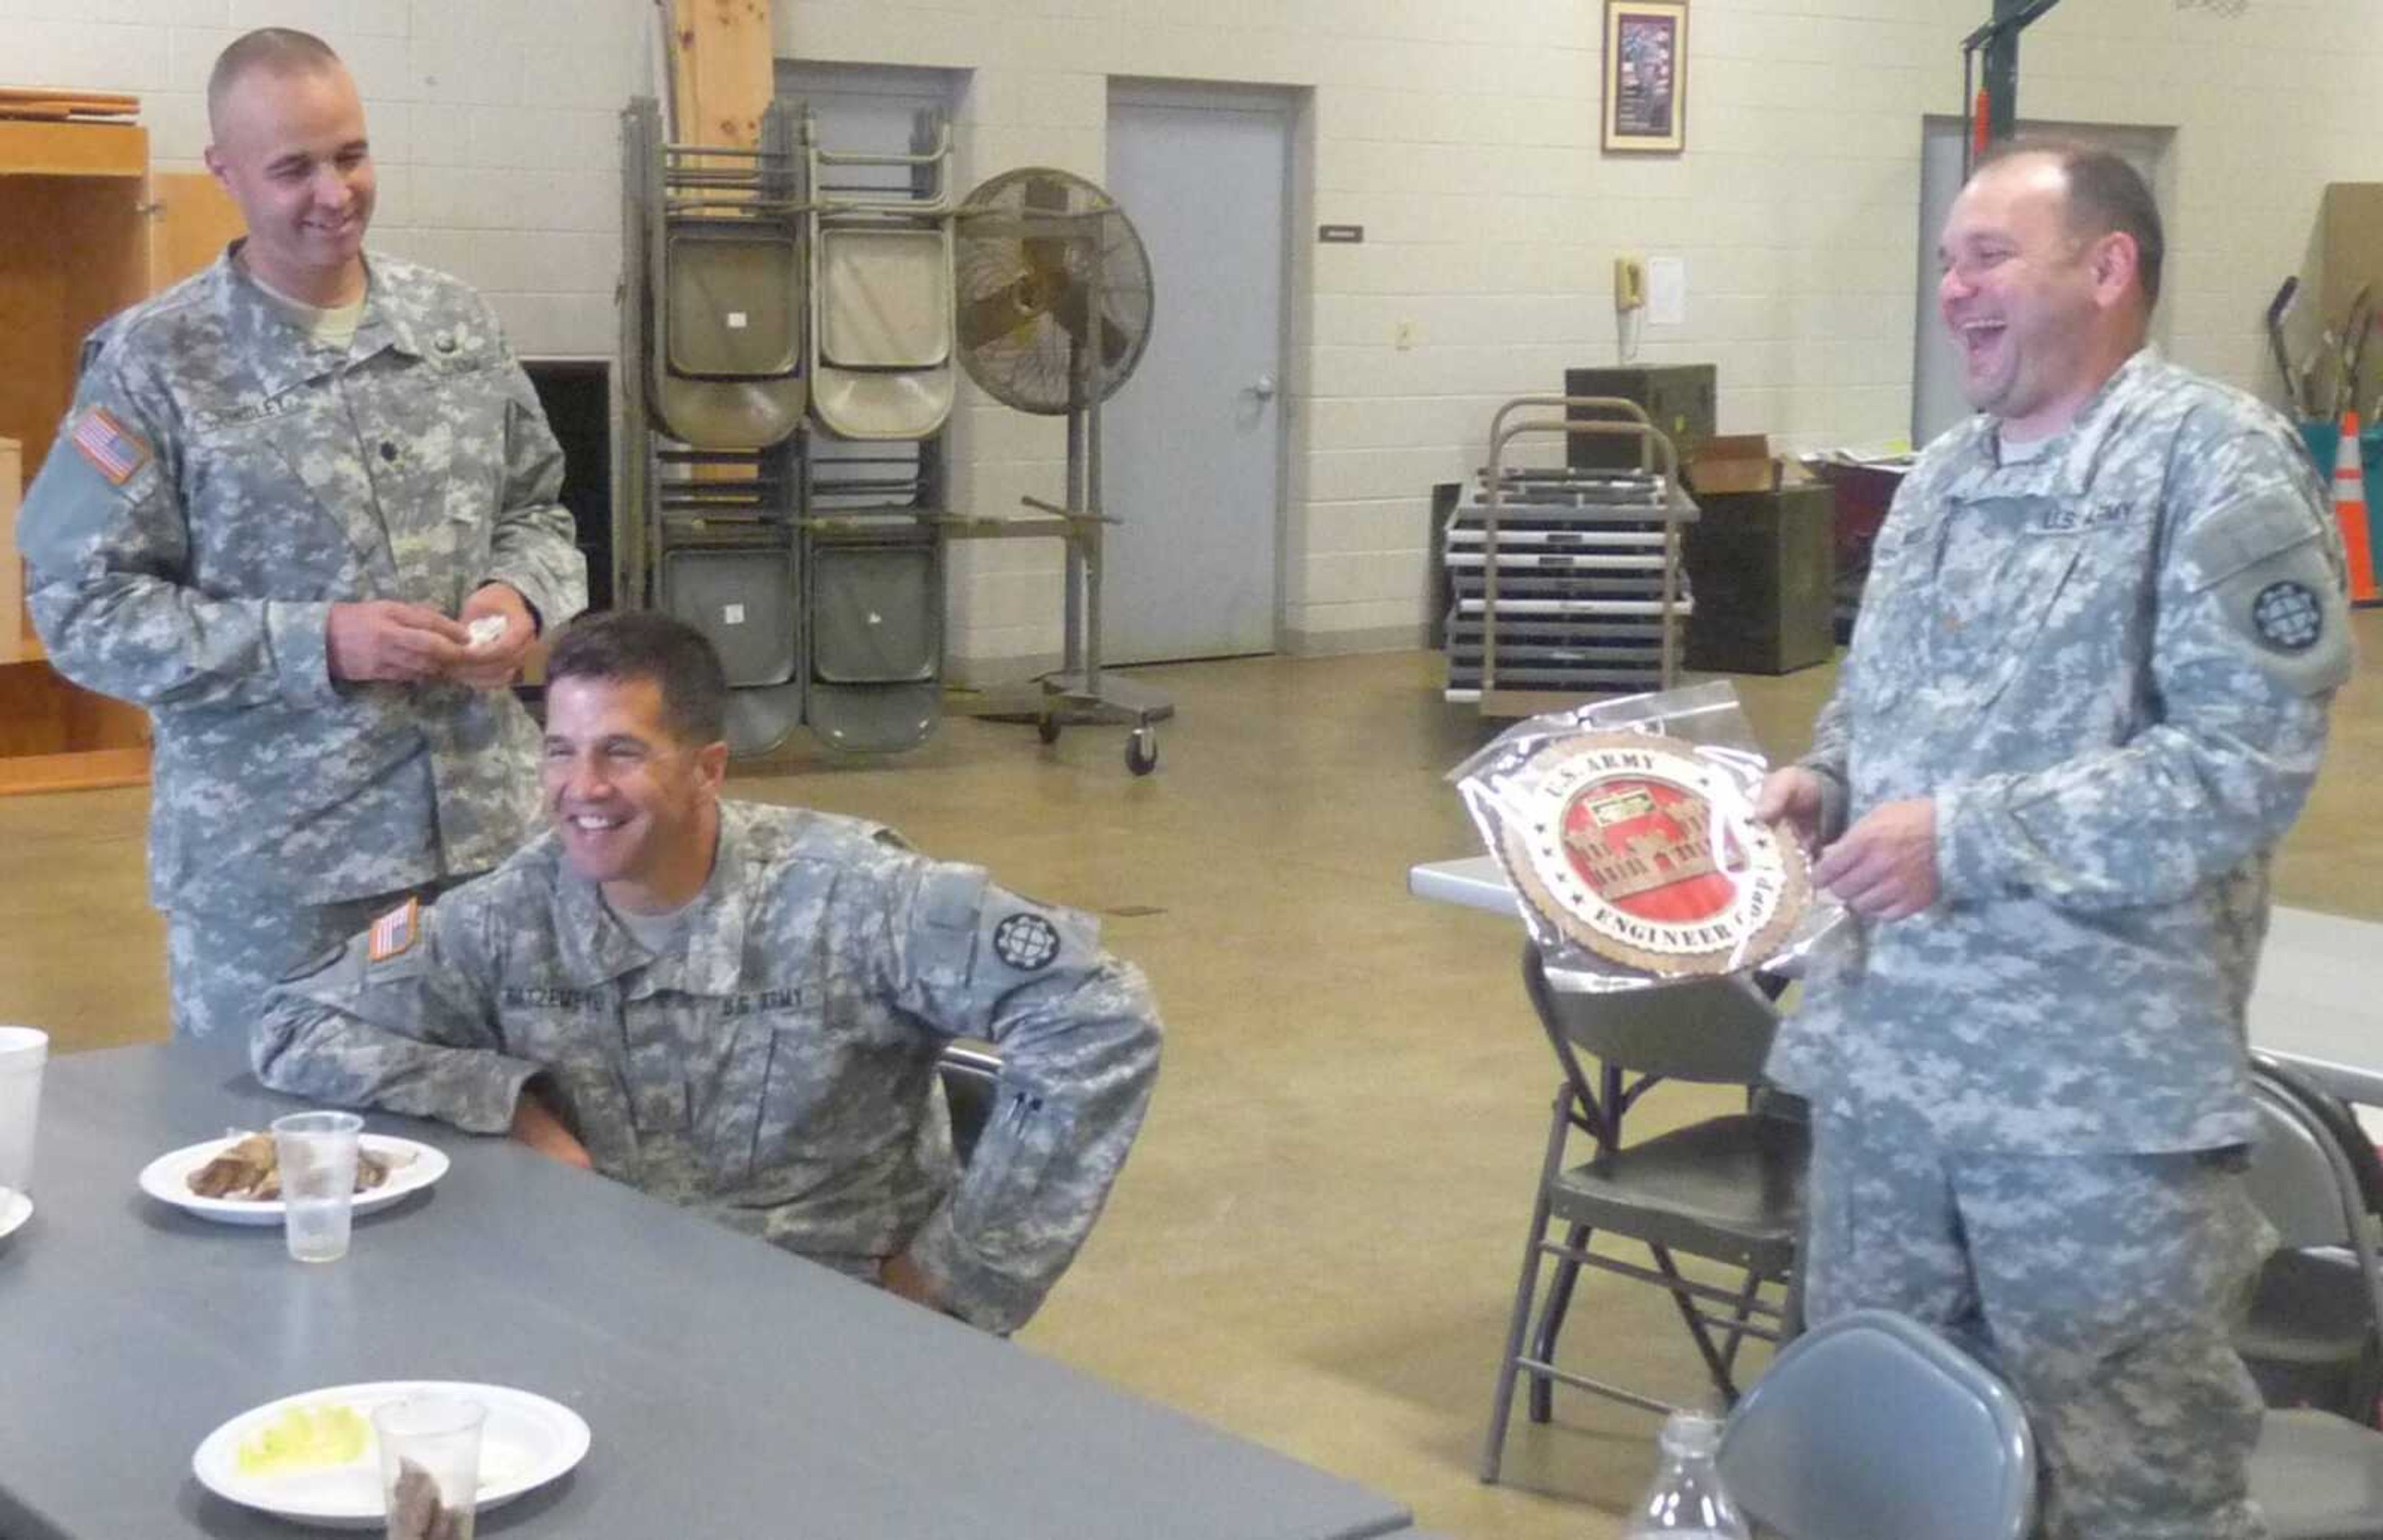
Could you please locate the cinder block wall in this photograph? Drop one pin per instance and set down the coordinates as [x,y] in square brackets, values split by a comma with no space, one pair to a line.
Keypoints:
[1463,135]
[492,122]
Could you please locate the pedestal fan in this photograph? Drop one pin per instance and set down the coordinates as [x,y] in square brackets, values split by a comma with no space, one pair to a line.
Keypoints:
[1053,293]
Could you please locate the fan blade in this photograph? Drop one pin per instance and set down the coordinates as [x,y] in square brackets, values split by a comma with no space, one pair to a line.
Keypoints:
[1115,341]
[992,317]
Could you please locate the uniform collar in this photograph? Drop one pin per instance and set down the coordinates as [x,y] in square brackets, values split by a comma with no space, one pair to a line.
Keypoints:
[281,354]
[596,948]
[2066,462]
[2079,445]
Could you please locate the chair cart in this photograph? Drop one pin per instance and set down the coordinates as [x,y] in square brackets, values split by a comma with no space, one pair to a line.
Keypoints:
[1567,582]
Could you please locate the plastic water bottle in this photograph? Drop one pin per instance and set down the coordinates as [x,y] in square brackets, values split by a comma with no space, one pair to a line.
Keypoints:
[1687,1501]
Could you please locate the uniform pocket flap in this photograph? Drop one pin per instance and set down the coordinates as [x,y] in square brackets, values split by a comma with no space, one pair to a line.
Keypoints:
[2245,533]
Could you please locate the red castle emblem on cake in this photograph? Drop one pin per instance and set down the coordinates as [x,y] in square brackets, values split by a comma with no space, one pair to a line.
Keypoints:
[1645,845]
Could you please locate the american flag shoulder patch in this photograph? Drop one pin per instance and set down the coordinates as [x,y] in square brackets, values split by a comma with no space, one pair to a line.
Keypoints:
[396,931]
[114,451]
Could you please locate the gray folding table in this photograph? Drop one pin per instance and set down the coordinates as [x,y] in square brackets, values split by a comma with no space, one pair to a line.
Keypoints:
[732,1389]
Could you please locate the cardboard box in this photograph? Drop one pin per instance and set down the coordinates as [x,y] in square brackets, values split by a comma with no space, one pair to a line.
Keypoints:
[1732,463]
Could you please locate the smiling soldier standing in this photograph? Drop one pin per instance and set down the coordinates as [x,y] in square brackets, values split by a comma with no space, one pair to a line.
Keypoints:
[285,492]
[2085,699]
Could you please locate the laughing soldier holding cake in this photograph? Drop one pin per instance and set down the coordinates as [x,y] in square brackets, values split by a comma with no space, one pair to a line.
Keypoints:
[2086,698]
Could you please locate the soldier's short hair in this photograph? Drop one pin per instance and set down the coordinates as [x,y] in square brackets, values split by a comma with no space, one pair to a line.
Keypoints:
[2106,196]
[619,645]
[276,50]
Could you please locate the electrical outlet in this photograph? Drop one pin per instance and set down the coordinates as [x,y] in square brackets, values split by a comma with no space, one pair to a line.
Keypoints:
[1402,336]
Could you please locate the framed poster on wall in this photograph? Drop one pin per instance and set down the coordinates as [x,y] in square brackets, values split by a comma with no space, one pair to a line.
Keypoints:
[1646,76]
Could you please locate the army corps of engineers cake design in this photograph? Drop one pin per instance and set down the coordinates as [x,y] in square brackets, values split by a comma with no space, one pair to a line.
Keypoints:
[1612,838]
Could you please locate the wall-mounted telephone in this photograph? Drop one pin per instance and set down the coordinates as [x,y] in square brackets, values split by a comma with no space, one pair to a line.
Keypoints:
[1629,283]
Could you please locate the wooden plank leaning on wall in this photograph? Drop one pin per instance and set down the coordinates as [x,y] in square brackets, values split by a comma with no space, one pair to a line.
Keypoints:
[724,71]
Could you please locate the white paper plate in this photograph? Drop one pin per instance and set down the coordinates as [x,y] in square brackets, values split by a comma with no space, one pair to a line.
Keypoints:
[166,1178]
[527,1442]
[15,1209]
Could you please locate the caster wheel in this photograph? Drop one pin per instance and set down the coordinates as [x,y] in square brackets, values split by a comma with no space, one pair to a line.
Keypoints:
[1141,751]
[1047,729]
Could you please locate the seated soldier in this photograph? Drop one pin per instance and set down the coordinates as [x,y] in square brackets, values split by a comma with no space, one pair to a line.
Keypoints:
[739,1007]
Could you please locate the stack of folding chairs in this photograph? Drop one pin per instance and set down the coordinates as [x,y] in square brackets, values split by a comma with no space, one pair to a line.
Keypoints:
[786,346]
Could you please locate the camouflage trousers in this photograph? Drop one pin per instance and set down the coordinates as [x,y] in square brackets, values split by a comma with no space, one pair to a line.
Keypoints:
[2102,1287]
[221,962]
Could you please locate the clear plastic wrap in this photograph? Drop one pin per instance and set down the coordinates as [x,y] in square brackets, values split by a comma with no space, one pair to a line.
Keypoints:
[1626,829]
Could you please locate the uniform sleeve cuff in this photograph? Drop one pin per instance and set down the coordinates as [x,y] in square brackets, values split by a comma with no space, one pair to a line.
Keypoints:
[978,1294]
[493,1092]
[532,594]
[1964,855]
[300,635]
[1832,797]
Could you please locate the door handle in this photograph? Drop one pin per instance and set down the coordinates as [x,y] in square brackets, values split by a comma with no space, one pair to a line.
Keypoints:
[1262,387]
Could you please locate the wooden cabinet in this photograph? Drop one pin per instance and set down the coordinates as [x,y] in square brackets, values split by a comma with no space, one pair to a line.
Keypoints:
[94,232]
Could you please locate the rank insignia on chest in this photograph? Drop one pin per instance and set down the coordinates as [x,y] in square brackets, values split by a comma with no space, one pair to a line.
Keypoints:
[1622,853]
[394,933]
[111,448]
[1026,941]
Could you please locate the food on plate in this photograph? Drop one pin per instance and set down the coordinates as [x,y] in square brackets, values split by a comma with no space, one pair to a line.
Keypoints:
[303,1437]
[247,1168]
[415,1512]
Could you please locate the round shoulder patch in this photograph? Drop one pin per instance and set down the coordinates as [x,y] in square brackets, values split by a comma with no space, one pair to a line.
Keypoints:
[2288,617]
[1026,941]
[1621,853]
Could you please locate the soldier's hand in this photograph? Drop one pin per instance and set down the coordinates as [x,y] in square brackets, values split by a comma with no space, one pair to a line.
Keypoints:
[1884,866]
[496,663]
[383,639]
[536,1126]
[1793,795]
[902,1278]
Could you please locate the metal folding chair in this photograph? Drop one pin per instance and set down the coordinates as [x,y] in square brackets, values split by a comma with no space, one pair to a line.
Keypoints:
[2316,1476]
[875,603]
[1873,1427]
[2314,1333]
[1728,1190]
[712,351]
[969,1075]
[880,335]
[726,276]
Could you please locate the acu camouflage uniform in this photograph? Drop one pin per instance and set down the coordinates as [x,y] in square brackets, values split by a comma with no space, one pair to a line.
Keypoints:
[2108,665]
[776,1070]
[223,478]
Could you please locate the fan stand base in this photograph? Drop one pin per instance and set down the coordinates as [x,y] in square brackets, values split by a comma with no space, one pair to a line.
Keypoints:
[1063,699]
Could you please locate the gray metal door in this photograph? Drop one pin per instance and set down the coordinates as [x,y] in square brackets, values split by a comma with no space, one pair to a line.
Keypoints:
[1191,445]
[1936,400]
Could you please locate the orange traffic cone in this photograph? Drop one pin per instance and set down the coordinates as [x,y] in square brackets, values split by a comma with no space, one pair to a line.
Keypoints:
[2350,511]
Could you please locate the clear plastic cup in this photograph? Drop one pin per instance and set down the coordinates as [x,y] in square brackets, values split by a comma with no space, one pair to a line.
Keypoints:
[316,1152]
[23,1051]
[430,1464]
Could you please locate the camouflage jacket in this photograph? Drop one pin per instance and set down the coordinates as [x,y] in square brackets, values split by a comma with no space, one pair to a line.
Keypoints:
[2109,665]
[219,481]
[778,1069]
